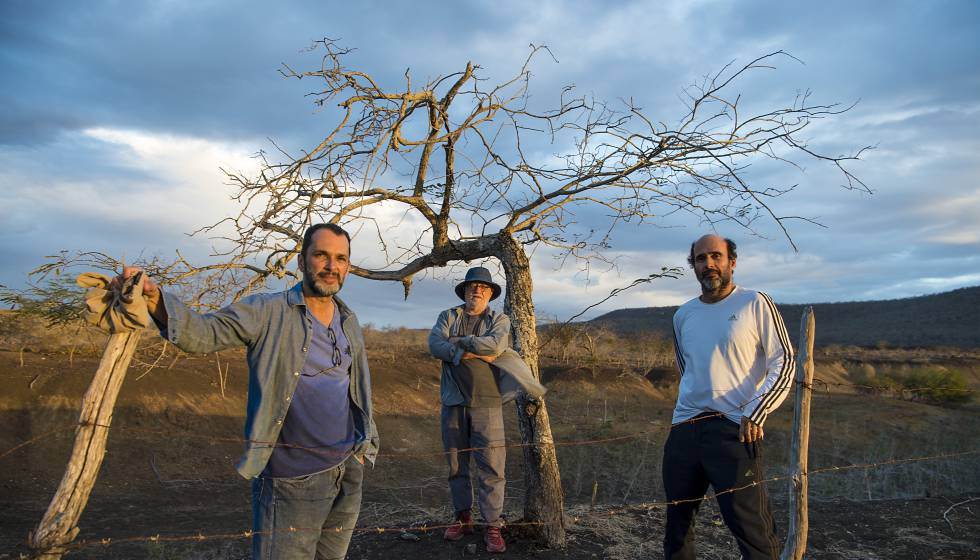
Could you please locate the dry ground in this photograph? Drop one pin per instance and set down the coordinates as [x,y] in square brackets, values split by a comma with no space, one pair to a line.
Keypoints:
[169,471]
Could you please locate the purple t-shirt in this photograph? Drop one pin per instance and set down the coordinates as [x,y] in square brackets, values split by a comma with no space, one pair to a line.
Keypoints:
[318,431]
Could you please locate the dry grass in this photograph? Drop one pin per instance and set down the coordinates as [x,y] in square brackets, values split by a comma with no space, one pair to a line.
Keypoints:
[166,413]
[406,488]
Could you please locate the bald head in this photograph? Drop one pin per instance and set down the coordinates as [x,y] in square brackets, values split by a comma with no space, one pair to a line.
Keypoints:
[713,260]
[730,247]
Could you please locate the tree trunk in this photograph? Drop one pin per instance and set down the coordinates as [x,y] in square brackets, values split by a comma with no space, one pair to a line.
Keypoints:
[798,516]
[544,500]
[58,526]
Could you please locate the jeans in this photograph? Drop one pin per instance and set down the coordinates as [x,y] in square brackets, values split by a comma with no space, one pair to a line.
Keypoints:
[298,518]
[707,451]
[482,428]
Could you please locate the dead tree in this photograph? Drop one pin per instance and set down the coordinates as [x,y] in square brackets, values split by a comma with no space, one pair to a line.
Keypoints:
[478,171]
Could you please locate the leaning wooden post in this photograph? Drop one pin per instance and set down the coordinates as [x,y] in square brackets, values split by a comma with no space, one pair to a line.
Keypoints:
[798,517]
[58,527]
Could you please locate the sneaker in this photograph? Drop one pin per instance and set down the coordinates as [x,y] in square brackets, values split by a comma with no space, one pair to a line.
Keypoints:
[463,525]
[495,541]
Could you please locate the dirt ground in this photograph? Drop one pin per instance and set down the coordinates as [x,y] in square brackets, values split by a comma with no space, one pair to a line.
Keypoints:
[168,489]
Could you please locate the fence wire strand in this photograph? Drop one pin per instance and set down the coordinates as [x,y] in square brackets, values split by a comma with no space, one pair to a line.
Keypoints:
[424,528]
[201,536]
[570,443]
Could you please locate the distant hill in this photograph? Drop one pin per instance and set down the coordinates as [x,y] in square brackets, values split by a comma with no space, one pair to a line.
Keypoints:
[949,319]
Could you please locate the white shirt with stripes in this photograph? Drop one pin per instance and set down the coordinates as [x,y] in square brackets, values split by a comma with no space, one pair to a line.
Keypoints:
[734,357]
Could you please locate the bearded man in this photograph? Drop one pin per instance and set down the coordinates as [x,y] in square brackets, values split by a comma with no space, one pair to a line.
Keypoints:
[736,365]
[308,422]
[480,372]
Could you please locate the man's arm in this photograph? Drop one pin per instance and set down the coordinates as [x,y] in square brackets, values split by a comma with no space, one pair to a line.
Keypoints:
[678,354]
[780,367]
[441,345]
[231,326]
[471,356]
[491,343]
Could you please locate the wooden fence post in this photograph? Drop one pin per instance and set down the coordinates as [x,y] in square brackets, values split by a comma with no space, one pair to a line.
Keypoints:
[798,517]
[58,526]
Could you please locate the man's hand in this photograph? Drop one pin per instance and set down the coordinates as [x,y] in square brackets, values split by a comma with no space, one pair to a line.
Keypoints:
[749,431]
[472,356]
[151,292]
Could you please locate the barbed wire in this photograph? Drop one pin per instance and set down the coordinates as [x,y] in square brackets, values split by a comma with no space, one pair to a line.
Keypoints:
[38,438]
[567,443]
[576,518]
[274,444]
[897,388]
[201,536]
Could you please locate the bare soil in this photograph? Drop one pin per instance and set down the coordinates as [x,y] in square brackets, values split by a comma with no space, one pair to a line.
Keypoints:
[168,488]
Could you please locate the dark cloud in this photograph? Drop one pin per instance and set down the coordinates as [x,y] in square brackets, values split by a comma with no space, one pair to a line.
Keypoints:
[201,68]
[209,70]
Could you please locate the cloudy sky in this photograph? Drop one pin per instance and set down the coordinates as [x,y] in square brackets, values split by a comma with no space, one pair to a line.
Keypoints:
[116,117]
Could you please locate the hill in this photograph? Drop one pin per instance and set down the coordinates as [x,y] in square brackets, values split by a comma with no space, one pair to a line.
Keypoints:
[949,319]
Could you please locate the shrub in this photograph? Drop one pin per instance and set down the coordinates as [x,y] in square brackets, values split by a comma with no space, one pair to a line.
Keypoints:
[863,373]
[933,384]
[938,385]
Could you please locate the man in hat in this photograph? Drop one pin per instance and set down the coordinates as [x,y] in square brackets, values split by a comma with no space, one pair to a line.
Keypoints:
[480,372]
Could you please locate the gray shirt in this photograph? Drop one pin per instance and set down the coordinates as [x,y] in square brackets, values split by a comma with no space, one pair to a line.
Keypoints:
[476,379]
[493,339]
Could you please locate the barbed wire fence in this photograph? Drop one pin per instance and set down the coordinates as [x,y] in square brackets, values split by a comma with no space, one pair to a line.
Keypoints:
[425,527]
[576,518]
[825,387]
[71,426]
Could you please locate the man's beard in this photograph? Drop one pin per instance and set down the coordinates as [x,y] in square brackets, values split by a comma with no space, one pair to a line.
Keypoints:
[471,305]
[321,288]
[715,283]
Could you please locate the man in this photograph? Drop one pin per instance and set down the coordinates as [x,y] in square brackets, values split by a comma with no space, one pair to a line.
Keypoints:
[736,366]
[480,372]
[308,424]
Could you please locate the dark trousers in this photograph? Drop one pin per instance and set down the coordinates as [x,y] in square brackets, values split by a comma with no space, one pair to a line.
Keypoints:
[707,451]
[306,517]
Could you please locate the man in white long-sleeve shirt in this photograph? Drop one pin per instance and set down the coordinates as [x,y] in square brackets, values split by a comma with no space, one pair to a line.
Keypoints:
[736,365]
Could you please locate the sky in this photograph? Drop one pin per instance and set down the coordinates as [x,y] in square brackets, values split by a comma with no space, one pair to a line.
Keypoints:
[117,118]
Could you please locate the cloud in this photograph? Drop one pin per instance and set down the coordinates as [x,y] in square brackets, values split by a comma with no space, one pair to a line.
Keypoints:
[133,193]
[118,116]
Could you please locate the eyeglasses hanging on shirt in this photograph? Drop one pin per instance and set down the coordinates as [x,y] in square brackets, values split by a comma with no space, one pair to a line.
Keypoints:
[336,358]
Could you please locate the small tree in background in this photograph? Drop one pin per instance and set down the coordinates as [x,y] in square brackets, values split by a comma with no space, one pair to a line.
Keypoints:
[56,301]
[53,298]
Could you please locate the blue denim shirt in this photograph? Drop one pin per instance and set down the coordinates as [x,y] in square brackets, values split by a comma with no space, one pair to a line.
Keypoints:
[277,333]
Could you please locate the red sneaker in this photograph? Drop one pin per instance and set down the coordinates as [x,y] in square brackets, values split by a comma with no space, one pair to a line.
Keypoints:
[495,542]
[463,525]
